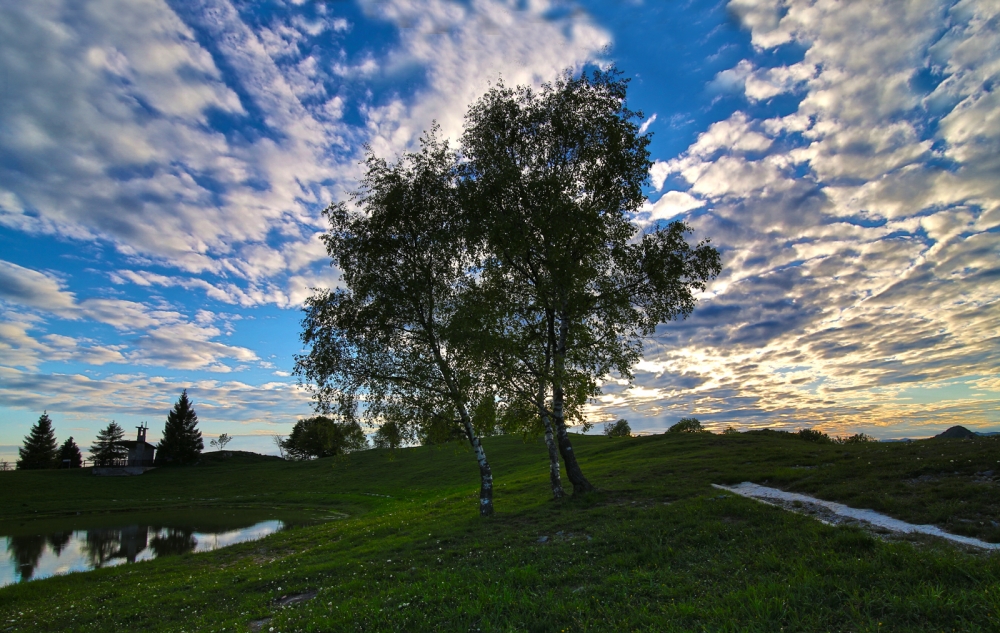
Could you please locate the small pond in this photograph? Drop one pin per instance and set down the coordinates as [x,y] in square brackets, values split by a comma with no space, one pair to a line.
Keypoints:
[48,547]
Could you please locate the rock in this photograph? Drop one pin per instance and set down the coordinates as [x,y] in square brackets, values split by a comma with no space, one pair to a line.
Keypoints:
[543,539]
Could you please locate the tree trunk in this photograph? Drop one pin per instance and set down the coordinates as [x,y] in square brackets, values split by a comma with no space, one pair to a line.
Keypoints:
[485,472]
[554,476]
[573,472]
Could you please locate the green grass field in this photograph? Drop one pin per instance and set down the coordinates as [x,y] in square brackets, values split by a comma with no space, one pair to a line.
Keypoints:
[656,549]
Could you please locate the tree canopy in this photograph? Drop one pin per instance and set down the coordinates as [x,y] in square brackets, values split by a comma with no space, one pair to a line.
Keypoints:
[495,287]
[555,177]
[40,446]
[322,437]
[181,442]
[385,336]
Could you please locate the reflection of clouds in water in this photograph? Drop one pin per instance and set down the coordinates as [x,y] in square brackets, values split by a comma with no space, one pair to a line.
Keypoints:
[41,556]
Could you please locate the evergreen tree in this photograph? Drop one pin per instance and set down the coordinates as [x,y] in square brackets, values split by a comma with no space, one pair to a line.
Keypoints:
[181,443]
[108,447]
[39,450]
[69,455]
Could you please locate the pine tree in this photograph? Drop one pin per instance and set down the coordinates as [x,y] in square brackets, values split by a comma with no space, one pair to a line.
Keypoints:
[181,443]
[69,455]
[109,448]
[39,450]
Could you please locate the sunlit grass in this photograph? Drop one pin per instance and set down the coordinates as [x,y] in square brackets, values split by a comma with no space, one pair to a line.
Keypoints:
[656,549]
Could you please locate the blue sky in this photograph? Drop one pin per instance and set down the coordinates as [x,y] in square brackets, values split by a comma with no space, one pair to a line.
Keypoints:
[163,166]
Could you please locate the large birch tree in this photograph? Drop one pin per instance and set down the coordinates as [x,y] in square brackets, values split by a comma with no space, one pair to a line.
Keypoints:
[554,178]
[382,346]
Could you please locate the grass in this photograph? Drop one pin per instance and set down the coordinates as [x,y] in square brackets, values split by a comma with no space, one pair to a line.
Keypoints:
[657,549]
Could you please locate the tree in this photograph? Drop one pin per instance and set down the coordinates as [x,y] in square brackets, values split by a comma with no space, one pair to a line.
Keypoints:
[109,449]
[181,443]
[322,437]
[221,441]
[39,450]
[618,429]
[279,442]
[392,434]
[554,178]
[384,340]
[69,455]
[686,425]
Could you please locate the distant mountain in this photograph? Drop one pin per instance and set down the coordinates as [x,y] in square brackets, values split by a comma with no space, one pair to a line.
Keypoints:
[957,433]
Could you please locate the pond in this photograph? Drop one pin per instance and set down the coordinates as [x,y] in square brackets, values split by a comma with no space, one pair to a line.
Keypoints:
[48,547]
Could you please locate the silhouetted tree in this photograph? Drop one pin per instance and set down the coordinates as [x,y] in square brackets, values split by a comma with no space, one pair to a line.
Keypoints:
[618,429]
[554,177]
[322,437]
[181,442]
[686,425]
[39,450]
[108,448]
[391,434]
[69,454]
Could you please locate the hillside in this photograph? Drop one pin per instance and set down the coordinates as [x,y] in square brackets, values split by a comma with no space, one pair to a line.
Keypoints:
[656,549]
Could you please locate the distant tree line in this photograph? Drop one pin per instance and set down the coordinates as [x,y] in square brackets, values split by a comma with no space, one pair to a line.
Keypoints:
[491,287]
[181,443]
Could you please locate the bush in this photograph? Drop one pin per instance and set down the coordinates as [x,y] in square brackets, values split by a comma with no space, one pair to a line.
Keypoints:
[686,425]
[618,429]
[730,431]
[857,438]
[812,435]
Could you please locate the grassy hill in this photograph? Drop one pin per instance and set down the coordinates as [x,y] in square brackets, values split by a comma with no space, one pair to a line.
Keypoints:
[656,549]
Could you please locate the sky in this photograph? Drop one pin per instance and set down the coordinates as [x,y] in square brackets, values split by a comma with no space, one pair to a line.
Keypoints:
[164,166]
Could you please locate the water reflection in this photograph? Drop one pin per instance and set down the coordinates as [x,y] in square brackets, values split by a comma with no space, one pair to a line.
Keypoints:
[43,555]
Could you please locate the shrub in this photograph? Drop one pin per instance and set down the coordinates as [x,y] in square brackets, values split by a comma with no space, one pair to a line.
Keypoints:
[618,429]
[730,431]
[857,438]
[686,425]
[812,435]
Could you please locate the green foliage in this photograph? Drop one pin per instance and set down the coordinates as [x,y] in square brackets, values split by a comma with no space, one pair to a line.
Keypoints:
[619,428]
[322,437]
[69,454]
[39,449]
[568,289]
[381,347]
[181,442]
[108,448]
[686,425]
[812,435]
[730,431]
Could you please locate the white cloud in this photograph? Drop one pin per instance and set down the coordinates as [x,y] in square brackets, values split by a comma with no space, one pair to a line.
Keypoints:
[858,231]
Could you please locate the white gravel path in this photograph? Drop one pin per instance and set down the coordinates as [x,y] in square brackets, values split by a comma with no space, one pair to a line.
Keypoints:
[824,509]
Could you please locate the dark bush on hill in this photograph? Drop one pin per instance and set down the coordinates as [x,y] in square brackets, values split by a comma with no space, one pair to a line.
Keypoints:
[618,429]
[686,425]
[812,435]
[857,438]
[322,437]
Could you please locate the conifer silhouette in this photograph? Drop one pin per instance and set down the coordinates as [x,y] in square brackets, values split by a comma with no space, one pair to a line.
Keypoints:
[39,450]
[69,454]
[181,443]
[108,447]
